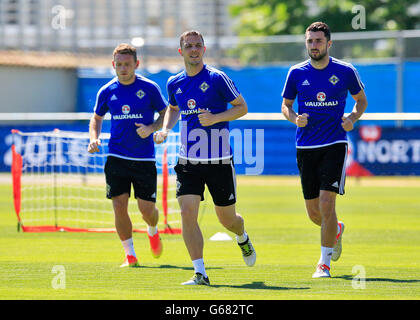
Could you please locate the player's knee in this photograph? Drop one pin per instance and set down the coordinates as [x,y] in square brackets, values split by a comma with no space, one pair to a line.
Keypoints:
[230,222]
[314,215]
[148,210]
[326,200]
[327,206]
[149,213]
[188,213]
[227,223]
[120,205]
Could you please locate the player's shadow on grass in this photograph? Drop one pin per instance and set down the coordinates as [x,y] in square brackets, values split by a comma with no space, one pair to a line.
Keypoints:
[258,285]
[351,277]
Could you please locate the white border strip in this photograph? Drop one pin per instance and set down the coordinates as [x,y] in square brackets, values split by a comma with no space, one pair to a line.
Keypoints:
[365,116]
[74,116]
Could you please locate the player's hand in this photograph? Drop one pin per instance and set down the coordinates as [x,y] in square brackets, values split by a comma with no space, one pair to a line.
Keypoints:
[206,118]
[160,136]
[302,120]
[94,146]
[347,124]
[143,131]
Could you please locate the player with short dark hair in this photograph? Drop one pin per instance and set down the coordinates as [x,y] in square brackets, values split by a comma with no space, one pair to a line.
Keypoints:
[201,94]
[321,85]
[132,100]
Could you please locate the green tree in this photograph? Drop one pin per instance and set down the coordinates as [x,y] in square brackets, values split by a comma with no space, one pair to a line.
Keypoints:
[285,17]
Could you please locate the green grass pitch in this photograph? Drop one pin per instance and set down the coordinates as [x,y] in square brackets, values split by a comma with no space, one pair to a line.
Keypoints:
[381,243]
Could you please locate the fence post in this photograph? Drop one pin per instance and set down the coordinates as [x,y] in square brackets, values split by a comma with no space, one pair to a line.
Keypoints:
[400,76]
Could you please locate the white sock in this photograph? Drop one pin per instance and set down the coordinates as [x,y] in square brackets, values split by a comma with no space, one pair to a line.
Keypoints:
[152,230]
[199,267]
[128,247]
[242,238]
[326,254]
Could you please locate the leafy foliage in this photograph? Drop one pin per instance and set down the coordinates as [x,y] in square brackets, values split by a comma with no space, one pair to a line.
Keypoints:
[285,17]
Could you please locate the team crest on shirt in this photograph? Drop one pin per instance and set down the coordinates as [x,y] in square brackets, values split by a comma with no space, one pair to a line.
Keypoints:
[140,94]
[191,104]
[204,86]
[334,79]
[125,109]
[320,96]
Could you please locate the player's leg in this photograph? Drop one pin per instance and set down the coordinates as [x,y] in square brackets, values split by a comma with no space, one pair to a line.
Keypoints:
[118,189]
[234,222]
[193,238]
[150,215]
[312,208]
[332,178]
[334,169]
[329,218]
[189,192]
[308,164]
[221,181]
[124,229]
[144,178]
[328,233]
[230,219]
[123,223]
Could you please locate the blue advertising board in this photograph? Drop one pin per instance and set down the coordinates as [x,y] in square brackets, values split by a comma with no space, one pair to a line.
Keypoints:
[259,147]
[386,151]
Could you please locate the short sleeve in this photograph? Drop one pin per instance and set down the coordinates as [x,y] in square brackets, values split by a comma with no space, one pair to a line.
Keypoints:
[355,83]
[171,94]
[226,87]
[289,89]
[158,100]
[101,104]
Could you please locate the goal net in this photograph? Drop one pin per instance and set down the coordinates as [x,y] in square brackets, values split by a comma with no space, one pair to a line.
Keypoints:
[59,186]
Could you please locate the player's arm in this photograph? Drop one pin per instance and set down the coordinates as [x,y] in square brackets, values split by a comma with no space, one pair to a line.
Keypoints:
[157,125]
[146,130]
[95,127]
[300,120]
[170,119]
[239,109]
[358,109]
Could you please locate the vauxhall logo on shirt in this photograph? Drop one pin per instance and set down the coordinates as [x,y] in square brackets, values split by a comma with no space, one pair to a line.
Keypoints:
[321,97]
[125,109]
[192,104]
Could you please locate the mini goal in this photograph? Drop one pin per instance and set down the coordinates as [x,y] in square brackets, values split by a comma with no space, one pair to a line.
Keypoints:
[59,186]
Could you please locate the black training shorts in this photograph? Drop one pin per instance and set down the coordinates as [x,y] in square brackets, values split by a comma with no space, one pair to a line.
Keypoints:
[322,168]
[120,174]
[220,178]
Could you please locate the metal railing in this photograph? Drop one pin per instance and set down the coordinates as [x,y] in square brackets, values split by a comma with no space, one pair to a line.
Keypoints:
[97,26]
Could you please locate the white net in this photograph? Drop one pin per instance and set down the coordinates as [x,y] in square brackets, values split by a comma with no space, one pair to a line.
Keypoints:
[63,186]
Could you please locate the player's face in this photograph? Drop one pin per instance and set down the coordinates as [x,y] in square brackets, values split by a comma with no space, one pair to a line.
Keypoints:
[192,50]
[125,67]
[317,45]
